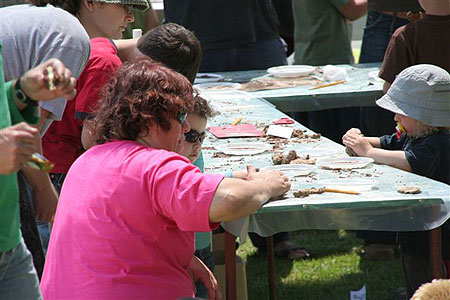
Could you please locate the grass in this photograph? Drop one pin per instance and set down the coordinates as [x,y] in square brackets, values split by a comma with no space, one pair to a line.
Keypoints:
[356,54]
[336,268]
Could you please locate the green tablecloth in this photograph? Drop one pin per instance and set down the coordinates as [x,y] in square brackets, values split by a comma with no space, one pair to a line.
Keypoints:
[381,208]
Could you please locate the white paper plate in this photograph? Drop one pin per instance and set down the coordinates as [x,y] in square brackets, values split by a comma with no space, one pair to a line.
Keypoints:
[243,148]
[207,77]
[355,185]
[292,170]
[317,152]
[217,86]
[291,71]
[344,162]
[374,75]
[232,95]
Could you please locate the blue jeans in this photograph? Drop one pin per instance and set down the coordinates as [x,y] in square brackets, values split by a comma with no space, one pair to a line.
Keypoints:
[377,34]
[44,228]
[375,121]
[18,278]
[255,56]
[207,257]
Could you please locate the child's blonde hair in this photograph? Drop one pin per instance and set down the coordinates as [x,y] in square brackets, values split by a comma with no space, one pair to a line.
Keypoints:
[423,129]
[438,289]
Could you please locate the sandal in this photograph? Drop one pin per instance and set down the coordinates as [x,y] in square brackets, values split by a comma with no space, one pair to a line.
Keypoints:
[290,250]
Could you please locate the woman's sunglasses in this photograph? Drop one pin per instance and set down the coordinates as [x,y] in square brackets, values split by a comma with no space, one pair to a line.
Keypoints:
[193,136]
[182,115]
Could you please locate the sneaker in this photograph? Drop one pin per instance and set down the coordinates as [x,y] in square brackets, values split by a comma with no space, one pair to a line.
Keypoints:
[378,251]
[400,294]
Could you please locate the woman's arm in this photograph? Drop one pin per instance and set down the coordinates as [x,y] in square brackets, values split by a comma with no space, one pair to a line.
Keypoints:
[237,198]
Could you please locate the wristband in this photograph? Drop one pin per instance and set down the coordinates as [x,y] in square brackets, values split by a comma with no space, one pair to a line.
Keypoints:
[22,96]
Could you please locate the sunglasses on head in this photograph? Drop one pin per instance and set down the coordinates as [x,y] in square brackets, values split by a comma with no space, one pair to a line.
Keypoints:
[128,8]
[182,115]
[194,136]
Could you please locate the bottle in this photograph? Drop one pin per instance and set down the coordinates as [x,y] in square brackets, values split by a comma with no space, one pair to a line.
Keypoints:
[137,33]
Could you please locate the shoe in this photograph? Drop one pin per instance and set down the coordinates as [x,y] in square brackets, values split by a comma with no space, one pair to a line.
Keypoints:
[290,250]
[378,251]
[400,294]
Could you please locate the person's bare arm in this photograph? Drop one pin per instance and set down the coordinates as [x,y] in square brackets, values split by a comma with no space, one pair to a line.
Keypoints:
[200,272]
[353,132]
[237,198]
[374,141]
[370,147]
[45,197]
[393,158]
[354,9]
[87,139]
[151,20]
[386,86]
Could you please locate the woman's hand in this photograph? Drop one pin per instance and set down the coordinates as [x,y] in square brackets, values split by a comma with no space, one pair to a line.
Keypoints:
[277,183]
[199,271]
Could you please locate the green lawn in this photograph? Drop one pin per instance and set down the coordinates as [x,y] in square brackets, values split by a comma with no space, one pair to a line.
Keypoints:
[335,269]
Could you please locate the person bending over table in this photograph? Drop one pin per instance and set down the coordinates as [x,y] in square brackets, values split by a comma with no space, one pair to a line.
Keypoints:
[129,206]
[420,100]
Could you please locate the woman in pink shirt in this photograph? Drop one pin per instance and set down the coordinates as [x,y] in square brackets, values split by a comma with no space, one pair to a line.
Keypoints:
[128,209]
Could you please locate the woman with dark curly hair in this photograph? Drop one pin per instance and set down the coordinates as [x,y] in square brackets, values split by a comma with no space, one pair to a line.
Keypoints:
[129,206]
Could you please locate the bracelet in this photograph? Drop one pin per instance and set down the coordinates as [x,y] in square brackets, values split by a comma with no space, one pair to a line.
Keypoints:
[20,94]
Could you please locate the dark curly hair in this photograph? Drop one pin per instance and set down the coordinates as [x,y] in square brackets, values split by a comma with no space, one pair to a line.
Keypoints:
[175,46]
[202,108]
[140,93]
[72,6]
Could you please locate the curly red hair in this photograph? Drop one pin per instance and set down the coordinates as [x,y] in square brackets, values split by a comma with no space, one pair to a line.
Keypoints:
[140,93]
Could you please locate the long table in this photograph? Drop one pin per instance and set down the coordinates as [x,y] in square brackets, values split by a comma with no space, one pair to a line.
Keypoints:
[361,89]
[381,208]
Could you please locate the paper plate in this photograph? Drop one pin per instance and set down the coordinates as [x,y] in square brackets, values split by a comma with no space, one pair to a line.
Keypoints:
[228,95]
[344,162]
[244,148]
[217,86]
[207,77]
[292,170]
[374,75]
[316,153]
[355,185]
[291,71]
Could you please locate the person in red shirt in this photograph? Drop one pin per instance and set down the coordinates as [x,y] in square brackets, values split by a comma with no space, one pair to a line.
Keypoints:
[62,143]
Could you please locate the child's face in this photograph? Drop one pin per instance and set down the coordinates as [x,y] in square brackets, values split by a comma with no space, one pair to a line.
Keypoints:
[192,150]
[410,125]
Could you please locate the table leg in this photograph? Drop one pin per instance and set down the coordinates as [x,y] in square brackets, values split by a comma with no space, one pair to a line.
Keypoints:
[271,267]
[436,252]
[230,266]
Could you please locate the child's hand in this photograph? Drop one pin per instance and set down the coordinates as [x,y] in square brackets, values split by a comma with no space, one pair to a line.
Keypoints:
[353,130]
[358,143]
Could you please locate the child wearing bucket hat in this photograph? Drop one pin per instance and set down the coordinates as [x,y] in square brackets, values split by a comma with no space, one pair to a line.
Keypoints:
[420,99]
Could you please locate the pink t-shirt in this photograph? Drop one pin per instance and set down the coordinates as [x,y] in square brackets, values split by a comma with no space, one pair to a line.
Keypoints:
[124,227]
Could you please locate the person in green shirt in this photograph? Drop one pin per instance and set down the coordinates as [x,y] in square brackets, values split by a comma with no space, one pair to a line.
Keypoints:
[322,36]
[18,141]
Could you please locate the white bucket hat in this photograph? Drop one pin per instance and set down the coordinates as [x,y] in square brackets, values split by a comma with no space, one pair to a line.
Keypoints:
[421,92]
